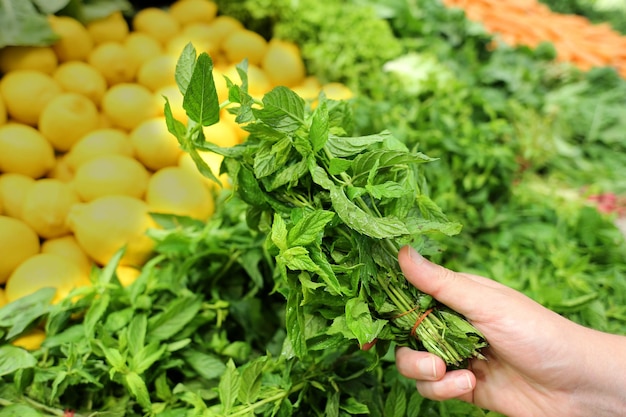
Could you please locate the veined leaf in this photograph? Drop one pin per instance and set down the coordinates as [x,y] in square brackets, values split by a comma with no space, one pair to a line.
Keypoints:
[308,229]
[228,388]
[341,146]
[184,67]
[19,314]
[319,131]
[200,100]
[359,320]
[295,323]
[13,358]
[136,334]
[282,109]
[384,158]
[175,317]
[363,222]
[297,259]
[137,386]
[279,232]
[22,24]
[206,365]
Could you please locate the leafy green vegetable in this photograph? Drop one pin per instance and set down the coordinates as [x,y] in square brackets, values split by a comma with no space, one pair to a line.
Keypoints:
[334,228]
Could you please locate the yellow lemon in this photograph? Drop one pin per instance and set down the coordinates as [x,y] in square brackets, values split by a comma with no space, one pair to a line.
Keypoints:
[80,77]
[13,189]
[283,63]
[309,88]
[61,170]
[213,160]
[143,47]
[173,190]
[3,111]
[127,274]
[67,246]
[221,134]
[114,62]
[244,44]
[45,270]
[104,225]
[74,43]
[111,175]
[220,81]
[112,28]
[193,11]
[156,23]
[38,58]
[175,98]
[218,29]
[31,340]
[98,143]
[337,91]
[26,93]
[128,105]
[46,206]
[23,150]
[18,242]
[157,72]
[154,145]
[67,118]
[176,44]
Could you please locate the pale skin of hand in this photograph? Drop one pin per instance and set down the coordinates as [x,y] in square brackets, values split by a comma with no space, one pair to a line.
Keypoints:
[538,362]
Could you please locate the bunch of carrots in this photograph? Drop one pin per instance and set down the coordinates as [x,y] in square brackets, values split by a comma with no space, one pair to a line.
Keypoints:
[528,22]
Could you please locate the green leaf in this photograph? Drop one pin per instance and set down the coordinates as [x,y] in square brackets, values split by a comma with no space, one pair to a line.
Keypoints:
[332,404]
[248,188]
[360,322]
[174,318]
[228,388]
[19,410]
[23,25]
[114,358]
[396,403]
[95,313]
[363,222]
[271,157]
[341,146]
[137,386]
[295,323]
[21,313]
[13,358]
[147,356]
[136,333]
[175,127]
[319,130]
[200,100]
[279,232]
[251,377]
[385,158]
[297,259]
[206,365]
[282,109]
[309,228]
[184,67]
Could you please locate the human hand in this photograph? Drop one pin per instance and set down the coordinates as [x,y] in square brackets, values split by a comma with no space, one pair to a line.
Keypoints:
[538,363]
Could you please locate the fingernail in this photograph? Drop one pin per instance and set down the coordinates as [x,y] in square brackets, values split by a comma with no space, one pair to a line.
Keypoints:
[415,257]
[463,382]
[428,368]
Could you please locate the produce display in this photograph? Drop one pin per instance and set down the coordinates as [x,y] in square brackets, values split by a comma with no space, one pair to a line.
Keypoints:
[201,233]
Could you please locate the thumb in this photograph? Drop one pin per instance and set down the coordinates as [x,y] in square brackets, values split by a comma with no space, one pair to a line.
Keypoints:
[461,292]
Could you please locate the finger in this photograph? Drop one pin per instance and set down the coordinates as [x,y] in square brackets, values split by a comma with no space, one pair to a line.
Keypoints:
[458,291]
[455,384]
[419,365]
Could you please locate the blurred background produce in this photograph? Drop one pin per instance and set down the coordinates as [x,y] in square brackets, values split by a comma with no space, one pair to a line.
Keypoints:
[528,128]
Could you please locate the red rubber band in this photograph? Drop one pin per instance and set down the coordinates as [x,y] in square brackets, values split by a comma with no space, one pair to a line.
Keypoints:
[419,321]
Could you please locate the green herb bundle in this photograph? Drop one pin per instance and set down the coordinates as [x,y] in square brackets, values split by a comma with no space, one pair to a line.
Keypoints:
[335,210]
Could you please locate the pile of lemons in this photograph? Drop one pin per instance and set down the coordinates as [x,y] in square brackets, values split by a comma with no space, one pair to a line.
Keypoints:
[85,154]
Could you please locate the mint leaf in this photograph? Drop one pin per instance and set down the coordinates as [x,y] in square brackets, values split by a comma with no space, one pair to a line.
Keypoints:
[310,228]
[341,146]
[13,358]
[21,313]
[363,222]
[319,130]
[282,109]
[200,99]
[137,386]
[228,388]
[359,320]
[184,68]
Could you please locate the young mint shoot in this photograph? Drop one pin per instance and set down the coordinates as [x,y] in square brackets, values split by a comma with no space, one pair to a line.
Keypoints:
[335,209]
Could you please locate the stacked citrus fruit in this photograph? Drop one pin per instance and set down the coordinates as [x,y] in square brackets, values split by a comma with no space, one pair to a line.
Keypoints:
[85,154]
